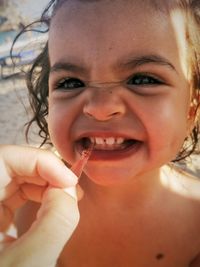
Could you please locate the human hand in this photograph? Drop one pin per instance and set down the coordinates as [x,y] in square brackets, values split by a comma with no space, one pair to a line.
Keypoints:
[37,175]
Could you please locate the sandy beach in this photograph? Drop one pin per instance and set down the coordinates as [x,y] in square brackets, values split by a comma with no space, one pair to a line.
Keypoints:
[15,112]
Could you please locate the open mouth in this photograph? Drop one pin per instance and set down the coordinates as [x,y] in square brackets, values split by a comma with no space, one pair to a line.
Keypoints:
[107,144]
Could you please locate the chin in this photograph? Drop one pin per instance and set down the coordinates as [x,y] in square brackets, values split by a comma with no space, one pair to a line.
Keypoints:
[109,176]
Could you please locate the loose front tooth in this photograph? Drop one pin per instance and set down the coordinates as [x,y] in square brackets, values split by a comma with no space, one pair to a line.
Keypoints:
[92,139]
[110,141]
[119,140]
[99,140]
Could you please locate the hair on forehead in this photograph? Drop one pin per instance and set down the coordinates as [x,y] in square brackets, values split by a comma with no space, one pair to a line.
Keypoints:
[169,5]
[191,7]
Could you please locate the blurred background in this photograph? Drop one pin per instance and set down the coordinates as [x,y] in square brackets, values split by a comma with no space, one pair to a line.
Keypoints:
[14,16]
[14,107]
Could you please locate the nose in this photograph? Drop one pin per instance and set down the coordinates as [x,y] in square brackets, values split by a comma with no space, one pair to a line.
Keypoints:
[104,104]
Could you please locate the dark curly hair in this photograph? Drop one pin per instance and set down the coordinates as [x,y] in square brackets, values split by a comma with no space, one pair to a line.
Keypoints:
[38,75]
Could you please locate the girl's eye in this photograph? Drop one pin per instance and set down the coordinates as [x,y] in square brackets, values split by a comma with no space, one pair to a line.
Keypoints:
[70,84]
[143,79]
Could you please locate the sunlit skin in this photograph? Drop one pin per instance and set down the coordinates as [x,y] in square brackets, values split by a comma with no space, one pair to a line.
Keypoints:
[155,114]
[130,213]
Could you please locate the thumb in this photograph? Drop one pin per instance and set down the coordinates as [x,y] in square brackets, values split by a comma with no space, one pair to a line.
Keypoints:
[57,217]
[55,223]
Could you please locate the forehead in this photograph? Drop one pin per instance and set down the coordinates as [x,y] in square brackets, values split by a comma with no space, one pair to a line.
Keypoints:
[101,16]
[108,12]
[79,7]
[108,28]
[161,5]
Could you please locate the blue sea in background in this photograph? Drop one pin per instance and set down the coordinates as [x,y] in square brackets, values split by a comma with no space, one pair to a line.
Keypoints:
[6,40]
[6,37]
[27,42]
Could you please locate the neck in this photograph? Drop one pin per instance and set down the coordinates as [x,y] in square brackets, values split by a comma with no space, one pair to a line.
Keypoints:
[139,191]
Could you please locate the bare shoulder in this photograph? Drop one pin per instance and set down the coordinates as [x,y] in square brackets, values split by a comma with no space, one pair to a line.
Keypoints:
[186,191]
[184,206]
[184,196]
[182,183]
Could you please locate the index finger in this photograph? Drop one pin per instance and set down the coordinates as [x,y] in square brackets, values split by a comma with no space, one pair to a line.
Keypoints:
[33,163]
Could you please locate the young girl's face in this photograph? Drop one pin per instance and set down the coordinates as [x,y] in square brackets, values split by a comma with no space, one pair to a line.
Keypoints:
[136,125]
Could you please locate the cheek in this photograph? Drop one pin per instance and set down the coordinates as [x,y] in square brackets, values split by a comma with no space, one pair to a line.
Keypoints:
[167,136]
[59,130]
[166,128]
[55,120]
[61,116]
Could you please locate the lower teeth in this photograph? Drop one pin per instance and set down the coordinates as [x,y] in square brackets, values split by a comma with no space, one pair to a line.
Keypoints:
[109,147]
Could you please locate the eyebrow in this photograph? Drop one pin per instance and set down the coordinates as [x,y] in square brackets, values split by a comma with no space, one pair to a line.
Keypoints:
[131,63]
[65,66]
[137,61]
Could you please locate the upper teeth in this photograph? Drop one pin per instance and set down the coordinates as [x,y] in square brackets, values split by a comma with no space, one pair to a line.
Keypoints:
[107,141]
